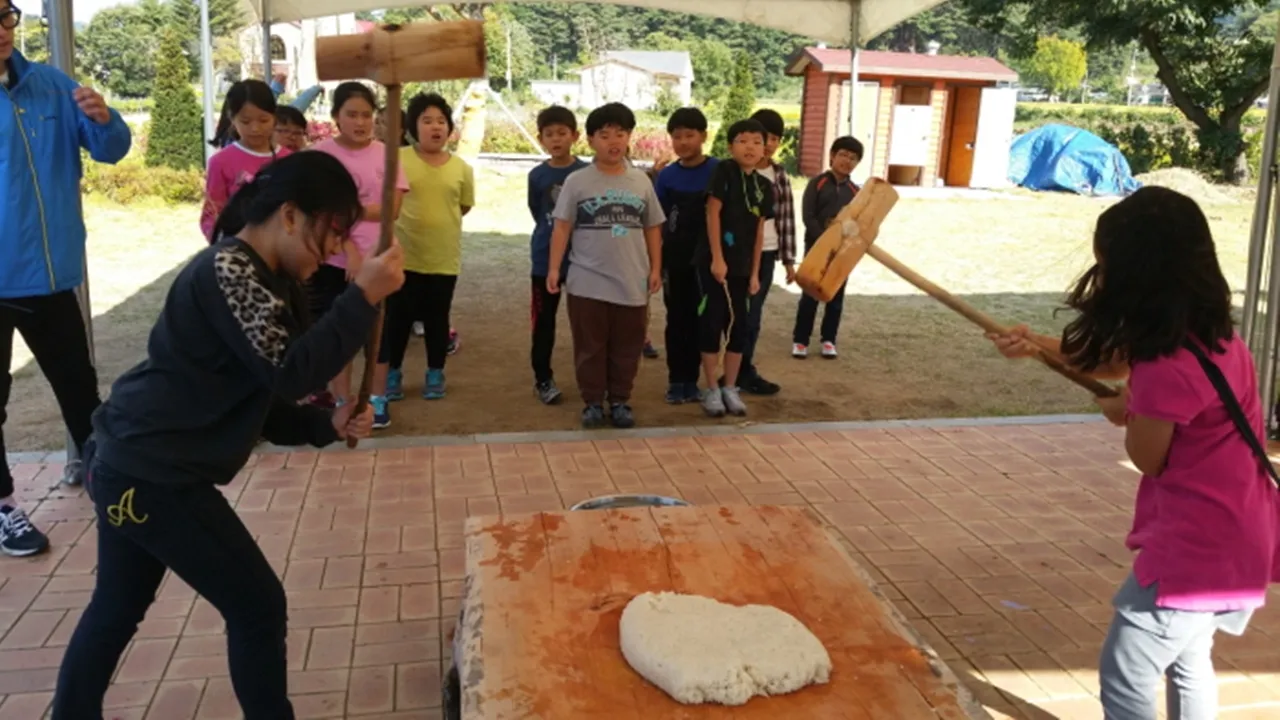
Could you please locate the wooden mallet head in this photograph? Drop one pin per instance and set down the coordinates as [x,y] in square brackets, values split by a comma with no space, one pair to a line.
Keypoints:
[392,55]
[397,54]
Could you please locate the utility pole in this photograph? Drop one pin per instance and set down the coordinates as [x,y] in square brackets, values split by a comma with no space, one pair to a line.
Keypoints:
[507,26]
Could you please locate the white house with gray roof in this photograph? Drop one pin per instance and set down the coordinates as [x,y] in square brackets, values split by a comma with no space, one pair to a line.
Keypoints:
[635,77]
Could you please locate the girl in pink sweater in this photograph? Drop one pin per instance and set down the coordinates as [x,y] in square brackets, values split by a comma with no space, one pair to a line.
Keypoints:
[1155,308]
[244,134]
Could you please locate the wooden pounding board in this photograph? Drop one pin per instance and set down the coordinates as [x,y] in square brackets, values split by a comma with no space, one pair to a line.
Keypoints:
[544,594]
[826,267]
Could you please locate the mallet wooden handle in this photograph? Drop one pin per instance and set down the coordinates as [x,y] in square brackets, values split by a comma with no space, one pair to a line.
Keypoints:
[385,236]
[984,321]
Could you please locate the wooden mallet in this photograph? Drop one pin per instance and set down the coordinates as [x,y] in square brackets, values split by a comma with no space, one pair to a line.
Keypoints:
[852,234]
[392,55]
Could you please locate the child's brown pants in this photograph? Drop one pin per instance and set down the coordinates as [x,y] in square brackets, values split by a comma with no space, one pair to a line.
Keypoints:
[607,342]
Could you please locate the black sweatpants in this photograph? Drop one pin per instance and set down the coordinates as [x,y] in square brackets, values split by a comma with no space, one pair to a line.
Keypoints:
[54,330]
[543,308]
[426,299]
[716,318]
[807,312]
[144,529]
[682,296]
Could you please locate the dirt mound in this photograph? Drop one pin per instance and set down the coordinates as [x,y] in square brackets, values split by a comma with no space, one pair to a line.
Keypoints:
[1191,184]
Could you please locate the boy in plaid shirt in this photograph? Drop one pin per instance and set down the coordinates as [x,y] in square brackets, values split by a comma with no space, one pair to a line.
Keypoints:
[779,247]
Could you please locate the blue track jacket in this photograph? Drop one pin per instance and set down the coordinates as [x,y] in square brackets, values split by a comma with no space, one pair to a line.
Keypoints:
[41,223]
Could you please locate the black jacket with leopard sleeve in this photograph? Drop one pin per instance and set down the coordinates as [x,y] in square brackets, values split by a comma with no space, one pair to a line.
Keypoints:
[227,363]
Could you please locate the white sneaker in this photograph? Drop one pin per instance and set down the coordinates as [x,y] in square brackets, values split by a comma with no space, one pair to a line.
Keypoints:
[418,329]
[829,351]
[732,398]
[713,402]
[799,351]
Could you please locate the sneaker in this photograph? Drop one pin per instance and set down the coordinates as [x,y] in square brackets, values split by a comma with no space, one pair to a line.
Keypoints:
[691,392]
[381,412]
[73,473]
[434,389]
[548,393]
[829,351]
[621,416]
[676,394]
[18,537]
[759,386]
[650,352]
[592,417]
[455,342]
[732,399]
[713,402]
[799,351]
[395,385]
[419,329]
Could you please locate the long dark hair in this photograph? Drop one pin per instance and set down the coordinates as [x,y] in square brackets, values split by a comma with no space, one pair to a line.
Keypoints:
[316,183]
[1155,285]
[349,90]
[244,92]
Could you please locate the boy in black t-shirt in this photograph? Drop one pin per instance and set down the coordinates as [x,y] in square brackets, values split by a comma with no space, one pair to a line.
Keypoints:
[739,202]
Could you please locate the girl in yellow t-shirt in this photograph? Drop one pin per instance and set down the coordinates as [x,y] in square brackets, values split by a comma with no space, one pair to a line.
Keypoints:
[441,192]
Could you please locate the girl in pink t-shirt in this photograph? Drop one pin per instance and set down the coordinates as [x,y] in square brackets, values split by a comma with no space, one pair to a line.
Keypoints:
[1153,308]
[244,134]
[365,158]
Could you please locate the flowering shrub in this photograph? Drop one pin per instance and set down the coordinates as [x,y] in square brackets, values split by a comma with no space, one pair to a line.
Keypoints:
[318,130]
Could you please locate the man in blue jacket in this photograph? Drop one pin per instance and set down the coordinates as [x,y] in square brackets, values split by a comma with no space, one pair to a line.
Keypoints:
[45,119]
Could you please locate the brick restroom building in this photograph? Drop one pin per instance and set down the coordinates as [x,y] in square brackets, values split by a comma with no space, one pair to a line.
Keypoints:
[925,119]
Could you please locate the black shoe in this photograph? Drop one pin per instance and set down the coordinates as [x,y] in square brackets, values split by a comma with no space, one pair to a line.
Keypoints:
[548,393]
[759,386]
[593,417]
[691,393]
[622,417]
[651,352]
[18,537]
[676,394]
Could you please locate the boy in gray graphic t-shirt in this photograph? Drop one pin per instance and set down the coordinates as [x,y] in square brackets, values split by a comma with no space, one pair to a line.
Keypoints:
[610,222]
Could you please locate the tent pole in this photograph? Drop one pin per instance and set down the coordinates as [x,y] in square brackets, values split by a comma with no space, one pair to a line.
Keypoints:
[266,41]
[855,21]
[1267,176]
[206,76]
[62,33]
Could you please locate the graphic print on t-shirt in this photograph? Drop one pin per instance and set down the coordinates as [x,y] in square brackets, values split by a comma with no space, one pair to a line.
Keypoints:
[618,211]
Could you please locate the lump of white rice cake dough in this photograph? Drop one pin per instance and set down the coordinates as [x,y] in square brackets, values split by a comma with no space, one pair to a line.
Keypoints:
[700,650]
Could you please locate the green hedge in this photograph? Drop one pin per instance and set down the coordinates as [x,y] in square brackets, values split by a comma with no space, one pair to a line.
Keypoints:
[1151,138]
[130,181]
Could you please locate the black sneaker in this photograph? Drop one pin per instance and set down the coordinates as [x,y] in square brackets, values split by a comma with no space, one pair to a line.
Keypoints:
[621,415]
[676,394]
[759,386]
[18,537]
[651,352]
[593,417]
[548,393]
[691,393]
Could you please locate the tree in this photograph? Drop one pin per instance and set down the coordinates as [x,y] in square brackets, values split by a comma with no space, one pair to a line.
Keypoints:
[118,46]
[176,134]
[226,18]
[1213,69]
[499,28]
[1058,65]
[738,105]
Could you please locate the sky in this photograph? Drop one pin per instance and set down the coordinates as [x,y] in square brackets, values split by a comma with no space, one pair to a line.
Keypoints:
[84,10]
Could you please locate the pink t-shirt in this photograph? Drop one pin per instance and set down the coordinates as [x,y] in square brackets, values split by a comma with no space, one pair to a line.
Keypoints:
[229,169]
[1206,528]
[368,166]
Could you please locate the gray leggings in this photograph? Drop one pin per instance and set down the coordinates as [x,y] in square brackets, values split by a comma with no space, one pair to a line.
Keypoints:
[1146,642]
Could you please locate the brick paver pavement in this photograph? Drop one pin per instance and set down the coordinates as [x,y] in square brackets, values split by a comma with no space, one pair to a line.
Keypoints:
[1002,544]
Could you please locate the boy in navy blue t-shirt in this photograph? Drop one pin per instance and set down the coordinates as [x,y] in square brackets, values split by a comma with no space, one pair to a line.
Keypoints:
[682,190]
[557,132]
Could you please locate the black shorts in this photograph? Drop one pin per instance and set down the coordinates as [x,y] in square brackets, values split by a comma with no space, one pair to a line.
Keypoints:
[723,313]
[324,287]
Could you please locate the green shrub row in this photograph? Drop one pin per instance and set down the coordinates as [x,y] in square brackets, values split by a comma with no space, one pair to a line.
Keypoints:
[1151,138]
[131,181]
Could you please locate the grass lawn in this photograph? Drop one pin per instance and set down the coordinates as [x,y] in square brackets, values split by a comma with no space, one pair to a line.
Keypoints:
[902,354]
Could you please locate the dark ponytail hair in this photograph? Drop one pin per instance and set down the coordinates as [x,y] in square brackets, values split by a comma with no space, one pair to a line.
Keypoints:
[317,183]
[244,92]
[349,90]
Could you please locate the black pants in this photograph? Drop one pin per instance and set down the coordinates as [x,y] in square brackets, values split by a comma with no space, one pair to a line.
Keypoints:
[716,316]
[755,313]
[144,529]
[808,311]
[682,295]
[426,299]
[54,330]
[543,308]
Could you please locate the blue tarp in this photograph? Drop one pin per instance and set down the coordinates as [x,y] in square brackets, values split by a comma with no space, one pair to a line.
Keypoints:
[1060,157]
